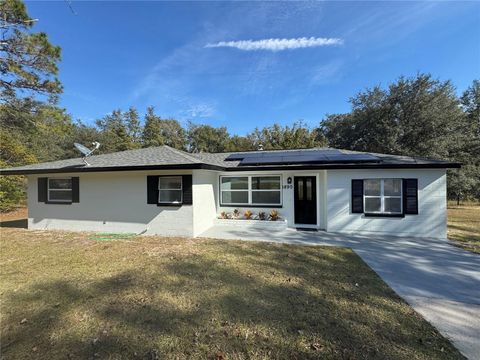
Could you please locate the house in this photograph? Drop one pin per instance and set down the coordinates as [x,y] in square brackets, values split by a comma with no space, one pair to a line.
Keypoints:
[161,190]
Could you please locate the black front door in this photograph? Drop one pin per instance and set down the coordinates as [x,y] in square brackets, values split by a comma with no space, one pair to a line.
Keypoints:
[305,202]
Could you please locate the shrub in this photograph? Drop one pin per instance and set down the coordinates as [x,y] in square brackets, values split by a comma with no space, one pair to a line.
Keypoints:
[274,215]
[236,213]
[262,216]
[248,214]
[224,215]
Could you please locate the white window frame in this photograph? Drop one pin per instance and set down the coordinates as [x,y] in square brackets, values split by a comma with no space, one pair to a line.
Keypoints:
[59,200]
[382,197]
[160,190]
[250,190]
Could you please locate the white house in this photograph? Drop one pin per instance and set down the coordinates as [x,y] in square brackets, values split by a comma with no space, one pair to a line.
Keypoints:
[168,192]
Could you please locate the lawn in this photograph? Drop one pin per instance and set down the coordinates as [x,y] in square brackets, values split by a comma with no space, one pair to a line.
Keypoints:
[464,226]
[67,296]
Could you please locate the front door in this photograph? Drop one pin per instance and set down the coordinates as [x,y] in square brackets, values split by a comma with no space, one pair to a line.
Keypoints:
[305,201]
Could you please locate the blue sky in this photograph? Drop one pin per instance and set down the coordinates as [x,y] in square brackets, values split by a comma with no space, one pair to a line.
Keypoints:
[225,63]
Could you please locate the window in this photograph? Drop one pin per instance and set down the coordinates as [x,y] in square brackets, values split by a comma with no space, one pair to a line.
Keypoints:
[60,190]
[251,190]
[383,196]
[170,190]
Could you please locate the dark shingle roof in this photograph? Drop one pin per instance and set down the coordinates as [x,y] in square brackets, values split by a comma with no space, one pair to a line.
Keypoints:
[165,157]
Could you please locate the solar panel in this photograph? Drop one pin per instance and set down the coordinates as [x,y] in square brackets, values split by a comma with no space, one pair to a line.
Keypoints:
[266,153]
[304,157]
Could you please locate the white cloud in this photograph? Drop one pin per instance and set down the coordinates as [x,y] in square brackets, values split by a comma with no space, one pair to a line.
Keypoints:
[277,44]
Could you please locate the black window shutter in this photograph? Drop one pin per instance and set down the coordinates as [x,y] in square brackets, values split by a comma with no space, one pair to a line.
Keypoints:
[410,196]
[357,196]
[75,189]
[152,189]
[187,189]
[42,189]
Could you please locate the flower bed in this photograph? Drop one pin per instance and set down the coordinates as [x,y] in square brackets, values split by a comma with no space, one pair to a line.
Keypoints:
[249,219]
[263,224]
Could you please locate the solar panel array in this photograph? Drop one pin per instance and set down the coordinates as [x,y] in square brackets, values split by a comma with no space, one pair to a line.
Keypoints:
[327,156]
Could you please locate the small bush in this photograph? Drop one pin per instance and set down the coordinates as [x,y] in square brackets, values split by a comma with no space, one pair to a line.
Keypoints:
[274,215]
[248,214]
[262,216]
[236,214]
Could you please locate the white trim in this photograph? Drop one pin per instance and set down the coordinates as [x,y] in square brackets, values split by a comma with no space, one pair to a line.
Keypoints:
[382,197]
[70,189]
[250,190]
[180,189]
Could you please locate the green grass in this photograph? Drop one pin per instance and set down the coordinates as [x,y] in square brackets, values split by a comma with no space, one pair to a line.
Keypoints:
[464,226]
[65,296]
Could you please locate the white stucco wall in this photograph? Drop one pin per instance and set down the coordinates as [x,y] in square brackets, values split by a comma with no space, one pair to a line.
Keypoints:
[287,209]
[205,190]
[110,202]
[431,220]
[117,202]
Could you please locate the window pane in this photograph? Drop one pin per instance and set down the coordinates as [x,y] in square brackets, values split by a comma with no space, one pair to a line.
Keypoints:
[300,190]
[234,183]
[265,182]
[235,197]
[392,187]
[266,197]
[170,196]
[393,205]
[372,187]
[372,204]
[174,182]
[60,195]
[60,183]
[308,184]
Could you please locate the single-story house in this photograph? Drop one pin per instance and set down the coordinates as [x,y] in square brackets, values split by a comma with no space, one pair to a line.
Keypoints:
[165,191]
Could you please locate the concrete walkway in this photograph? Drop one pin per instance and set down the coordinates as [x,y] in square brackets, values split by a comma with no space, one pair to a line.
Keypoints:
[439,280]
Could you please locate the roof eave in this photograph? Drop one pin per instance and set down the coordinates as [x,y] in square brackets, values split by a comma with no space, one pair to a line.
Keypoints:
[449,165]
[110,169]
[348,166]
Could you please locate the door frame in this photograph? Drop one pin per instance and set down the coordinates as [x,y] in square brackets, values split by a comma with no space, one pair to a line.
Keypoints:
[317,201]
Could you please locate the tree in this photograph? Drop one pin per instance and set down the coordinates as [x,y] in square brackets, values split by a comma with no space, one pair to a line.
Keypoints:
[276,137]
[465,182]
[205,138]
[12,152]
[471,106]
[417,116]
[158,131]
[28,60]
[115,131]
[134,127]
[239,143]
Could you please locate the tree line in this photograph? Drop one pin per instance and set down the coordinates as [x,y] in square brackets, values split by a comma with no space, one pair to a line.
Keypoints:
[415,116]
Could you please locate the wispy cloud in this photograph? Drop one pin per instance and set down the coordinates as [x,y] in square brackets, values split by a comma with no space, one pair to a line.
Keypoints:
[199,111]
[277,44]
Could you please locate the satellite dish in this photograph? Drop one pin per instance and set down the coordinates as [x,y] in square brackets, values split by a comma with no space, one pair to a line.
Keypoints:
[86,151]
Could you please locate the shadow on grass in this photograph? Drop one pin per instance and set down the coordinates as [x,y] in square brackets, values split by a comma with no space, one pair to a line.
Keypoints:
[20,224]
[244,301]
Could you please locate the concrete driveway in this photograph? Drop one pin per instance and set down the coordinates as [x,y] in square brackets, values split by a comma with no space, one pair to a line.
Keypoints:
[439,280]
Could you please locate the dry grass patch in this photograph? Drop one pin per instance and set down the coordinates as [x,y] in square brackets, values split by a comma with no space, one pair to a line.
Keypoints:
[464,226]
[65,296]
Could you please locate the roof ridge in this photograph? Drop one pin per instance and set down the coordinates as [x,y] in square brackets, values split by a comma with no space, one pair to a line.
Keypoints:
[184,154]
